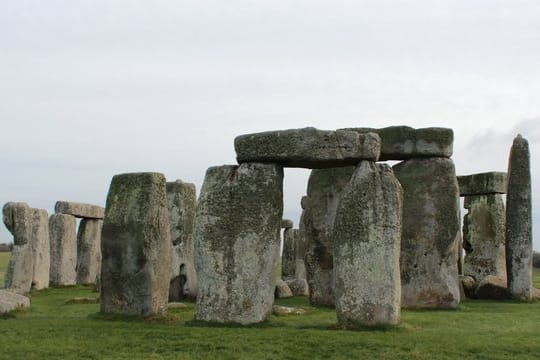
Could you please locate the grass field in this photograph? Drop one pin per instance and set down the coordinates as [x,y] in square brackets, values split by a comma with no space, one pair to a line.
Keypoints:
[54,328]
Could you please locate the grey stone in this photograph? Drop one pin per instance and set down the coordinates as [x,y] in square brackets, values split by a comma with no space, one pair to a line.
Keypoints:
[307,148]
[63,240]
[79,210]
[367,237]
[429,271]
[491,288]
[236,237]
[324,191]
[136,246]
[182,201]
[287,310]
[403,142]
[483,237]
[299,287]
[288,259]
[89,250]
[300,252]
[287,224]
[18,220]
[519,221]
[41,249]
[11,301]
[303,202]
[535,294]
[469,286]
[282,290]
[482,184]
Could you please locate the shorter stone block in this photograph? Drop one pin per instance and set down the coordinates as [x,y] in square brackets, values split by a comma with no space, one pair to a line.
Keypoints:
[63,238]
[299,287]
[10,301]
[492,288]
[79,210]
[482,184]
[282,290]
[89,250]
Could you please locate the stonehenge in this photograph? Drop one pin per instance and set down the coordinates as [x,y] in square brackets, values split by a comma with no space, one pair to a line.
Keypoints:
[88,251]
[63,238]
[288,262]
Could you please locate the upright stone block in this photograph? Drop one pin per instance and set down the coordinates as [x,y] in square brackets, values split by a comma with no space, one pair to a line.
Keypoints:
[519,222]
[300,252]
[308,148]
[182,200]
[323,195]
[41,249]
[483,237]
[429,259]
[136,246]
[63,238]
[79,210]
[288,262]
[89,250]
[367,237]
[237,226]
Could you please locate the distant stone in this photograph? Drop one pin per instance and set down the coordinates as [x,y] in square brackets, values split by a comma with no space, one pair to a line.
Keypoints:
[237,241]
[176,305]
[367,238]
[41,249]
[89,250]
[469,286]
[136,246]
[62,233]
[307,148]
[11,301]
[287,310]
[282,290]
[492,288]
[79,210]
[536,294]
[287,224]
[300,252]
[288,259]
[403,142]
[299,287]
[482,184]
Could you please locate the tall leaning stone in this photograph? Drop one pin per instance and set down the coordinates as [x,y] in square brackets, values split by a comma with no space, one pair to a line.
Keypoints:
[89,250]
[136,246]
[41,249]
[429,258]
[519,222]
[63,238]
[367,237]
[18,220]
[237,226]
[323,195]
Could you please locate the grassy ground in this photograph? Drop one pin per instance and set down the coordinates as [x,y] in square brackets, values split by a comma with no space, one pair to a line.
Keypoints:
[54,328]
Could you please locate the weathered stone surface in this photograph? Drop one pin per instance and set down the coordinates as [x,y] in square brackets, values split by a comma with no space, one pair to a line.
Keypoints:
[182,201]
[482,184]
[483,237]
[136,246]
[492,288]
[41,249]
[63,240]
[89,250]
[535,294]
[299,287]
[429,271]
[79,210]
[519,221]
[300,252]
[282,290]
[307,148]
[11,301]
[469,286]
[236,237]
[18,218]
[288,259]
[324,191]
[367,237]
[287,310]
[287,224]
[403,142]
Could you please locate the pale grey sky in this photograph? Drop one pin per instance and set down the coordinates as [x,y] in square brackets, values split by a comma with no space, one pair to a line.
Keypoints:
[89,89]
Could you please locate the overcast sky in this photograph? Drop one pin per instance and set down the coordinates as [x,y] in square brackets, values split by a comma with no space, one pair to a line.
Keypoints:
[89,89]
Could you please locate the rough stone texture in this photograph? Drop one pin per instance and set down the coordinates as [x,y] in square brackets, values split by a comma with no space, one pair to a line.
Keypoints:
[367,237]
[11,301]
[519,251]
[300,252]
[469,286]
[41,249]
[324,191]
[483,237]
[63,239]
[307,148]
[282,290]
[482,184]
[288,259]
[287,224]
[182,200]
[491,288]
[299,287]
[237,240]
[79,210]
[403,142]
[136,246]
[18,218]
[429,271]
[535,294]
[286,310]
[89,250]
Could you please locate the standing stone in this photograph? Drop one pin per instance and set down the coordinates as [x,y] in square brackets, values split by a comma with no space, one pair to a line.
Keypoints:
[136,246]
[288,262]
[41,249]
[89,250]
[429,271]
[519,222]
[483,237]
[182,200]
[367,237]
[62,234]
[300,252]
[323,195]
[237,226]
[19,273]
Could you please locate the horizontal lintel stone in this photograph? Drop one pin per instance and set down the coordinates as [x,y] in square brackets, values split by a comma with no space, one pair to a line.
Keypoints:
[482,184]
[80,210]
